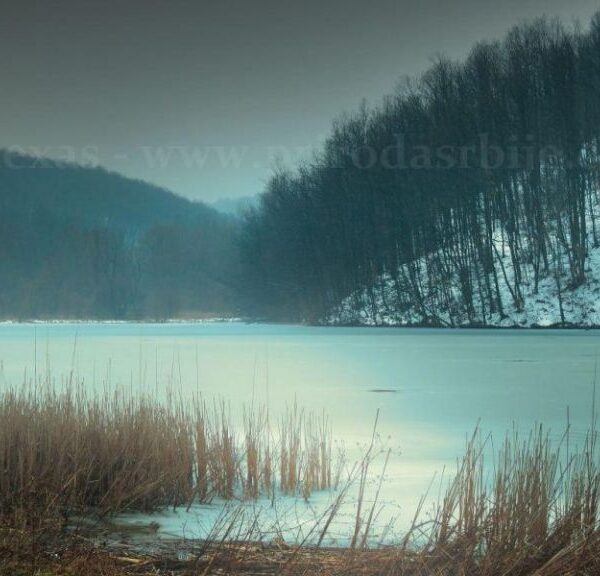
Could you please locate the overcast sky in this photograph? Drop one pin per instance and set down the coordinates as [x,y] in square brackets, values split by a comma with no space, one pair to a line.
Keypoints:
[200,96]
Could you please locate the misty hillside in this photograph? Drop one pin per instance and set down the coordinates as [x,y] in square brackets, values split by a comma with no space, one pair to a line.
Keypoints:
[78,242]
[90,196]
[468,197]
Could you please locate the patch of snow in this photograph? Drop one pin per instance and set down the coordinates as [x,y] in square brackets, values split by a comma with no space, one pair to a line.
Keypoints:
[381,305]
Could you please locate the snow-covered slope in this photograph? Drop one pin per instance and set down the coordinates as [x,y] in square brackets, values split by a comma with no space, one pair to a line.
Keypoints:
[381,304]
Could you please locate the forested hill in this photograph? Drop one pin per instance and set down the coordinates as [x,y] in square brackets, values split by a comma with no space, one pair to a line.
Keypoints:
[470,196]
[78,242]
[89,196]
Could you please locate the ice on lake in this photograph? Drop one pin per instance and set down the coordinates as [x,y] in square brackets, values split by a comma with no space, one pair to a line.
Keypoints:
[432,387]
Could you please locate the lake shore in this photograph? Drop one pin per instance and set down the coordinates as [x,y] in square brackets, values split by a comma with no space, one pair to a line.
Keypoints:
[317,324]
[87,556]
[72,464]
[431,387]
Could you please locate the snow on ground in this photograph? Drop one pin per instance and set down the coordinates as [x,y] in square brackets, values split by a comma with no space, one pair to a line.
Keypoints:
[328,517]
[581,306]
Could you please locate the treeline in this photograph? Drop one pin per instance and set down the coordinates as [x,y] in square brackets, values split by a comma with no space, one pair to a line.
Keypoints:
[84,243]
[469,183]
[453,199]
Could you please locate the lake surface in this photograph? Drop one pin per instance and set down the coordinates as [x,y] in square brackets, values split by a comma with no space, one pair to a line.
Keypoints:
[431,386]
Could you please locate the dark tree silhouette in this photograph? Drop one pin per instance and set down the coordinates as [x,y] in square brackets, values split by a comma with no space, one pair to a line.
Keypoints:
[465,185]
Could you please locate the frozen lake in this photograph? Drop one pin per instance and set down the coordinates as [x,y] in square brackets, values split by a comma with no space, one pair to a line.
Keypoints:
[431,387]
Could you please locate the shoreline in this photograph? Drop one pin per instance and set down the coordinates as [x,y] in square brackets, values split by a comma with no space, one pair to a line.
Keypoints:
[251,321]
[89,555]
[476,525]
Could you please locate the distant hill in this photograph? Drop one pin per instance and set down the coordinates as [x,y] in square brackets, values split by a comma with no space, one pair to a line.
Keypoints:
[91,196]
[80,242]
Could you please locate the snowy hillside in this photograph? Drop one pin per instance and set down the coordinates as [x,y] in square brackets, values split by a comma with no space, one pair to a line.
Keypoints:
[381,305]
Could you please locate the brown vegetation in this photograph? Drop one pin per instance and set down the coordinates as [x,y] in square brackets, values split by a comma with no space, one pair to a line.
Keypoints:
[534,512]
[64,452]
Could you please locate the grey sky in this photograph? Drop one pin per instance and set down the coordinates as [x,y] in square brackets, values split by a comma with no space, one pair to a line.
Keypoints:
[200,96]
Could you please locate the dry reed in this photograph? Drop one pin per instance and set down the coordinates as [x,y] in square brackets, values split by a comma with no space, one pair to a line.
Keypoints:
[535,511]
[69,453]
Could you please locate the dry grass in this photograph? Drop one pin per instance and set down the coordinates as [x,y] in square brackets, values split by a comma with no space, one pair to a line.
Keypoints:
[534,511]
[305,453]
[68,453]
[65,453]
[537,514]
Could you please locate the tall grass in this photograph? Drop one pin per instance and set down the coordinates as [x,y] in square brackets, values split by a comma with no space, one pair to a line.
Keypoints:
[64,452]
[67,452]
[537,512]
[535,509]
